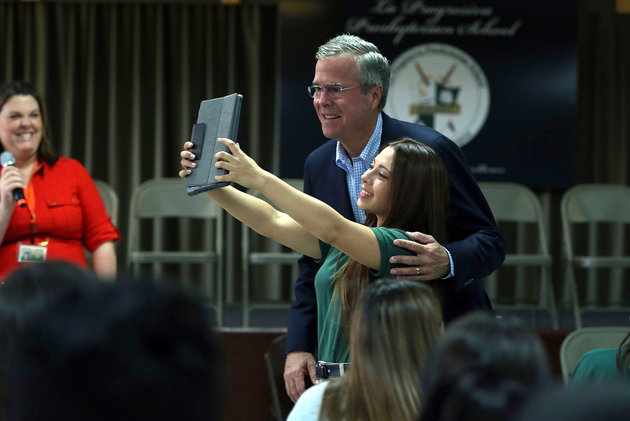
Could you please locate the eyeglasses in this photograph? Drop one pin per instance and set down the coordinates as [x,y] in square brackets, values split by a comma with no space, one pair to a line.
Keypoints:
[334,90]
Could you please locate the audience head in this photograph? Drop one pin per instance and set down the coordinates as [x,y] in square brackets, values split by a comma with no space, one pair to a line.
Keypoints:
[483,368]
[383,381]
[586,402]
[23,293]
[123,351]
[8,90]
[28,288]
[372,65]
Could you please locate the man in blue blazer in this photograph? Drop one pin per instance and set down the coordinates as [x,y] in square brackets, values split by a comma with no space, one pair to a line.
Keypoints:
[349,91]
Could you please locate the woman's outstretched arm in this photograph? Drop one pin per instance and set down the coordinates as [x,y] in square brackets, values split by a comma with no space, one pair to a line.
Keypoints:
[260,215]
[320,219]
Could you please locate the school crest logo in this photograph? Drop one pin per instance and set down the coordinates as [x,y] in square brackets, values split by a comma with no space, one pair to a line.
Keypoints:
[442,87]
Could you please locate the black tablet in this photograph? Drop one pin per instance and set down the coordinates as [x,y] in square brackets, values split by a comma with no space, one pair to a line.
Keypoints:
[218,117]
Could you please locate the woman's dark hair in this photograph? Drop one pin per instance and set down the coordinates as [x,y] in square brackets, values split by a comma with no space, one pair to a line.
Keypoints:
[418,202]
[418,174]
[45,152]
[29,287]
[24,292]
[134,349]
[483,368]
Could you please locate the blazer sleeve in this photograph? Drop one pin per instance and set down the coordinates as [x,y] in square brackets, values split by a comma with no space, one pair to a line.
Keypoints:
[474,241]
[302,323]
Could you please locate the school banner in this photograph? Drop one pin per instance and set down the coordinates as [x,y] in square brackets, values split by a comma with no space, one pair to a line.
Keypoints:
[498,78]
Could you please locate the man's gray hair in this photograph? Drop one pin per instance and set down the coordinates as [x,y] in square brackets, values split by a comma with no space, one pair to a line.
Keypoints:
[373,66]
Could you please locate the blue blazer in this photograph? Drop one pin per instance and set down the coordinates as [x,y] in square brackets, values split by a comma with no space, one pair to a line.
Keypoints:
[474,241]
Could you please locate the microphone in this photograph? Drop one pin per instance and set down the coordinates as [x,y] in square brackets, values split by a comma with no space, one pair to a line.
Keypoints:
[7,159]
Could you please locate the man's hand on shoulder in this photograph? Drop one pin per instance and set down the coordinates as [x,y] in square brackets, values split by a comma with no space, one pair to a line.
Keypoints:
[298,365]
[430,262]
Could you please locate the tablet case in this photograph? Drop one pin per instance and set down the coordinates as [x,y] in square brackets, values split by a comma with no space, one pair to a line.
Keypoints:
[218,117]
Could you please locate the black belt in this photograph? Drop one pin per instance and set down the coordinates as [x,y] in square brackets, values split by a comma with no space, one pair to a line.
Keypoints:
[326,370]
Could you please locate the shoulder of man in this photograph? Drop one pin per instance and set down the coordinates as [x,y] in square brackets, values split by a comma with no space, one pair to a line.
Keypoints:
[323,152]
[394,128]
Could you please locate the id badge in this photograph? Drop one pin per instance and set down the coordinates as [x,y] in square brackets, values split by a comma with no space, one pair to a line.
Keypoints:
[31,253]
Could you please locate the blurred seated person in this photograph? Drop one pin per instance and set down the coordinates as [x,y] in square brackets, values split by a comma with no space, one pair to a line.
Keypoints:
[383,381]
[62,211]
[130,350]
[483,368]
[604,365]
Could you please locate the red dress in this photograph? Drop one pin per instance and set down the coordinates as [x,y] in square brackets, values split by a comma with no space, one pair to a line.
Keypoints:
[69,215]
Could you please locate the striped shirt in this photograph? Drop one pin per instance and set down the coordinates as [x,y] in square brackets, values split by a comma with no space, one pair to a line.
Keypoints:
[355,167]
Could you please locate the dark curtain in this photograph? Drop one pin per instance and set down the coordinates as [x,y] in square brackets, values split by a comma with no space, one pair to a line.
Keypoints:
[123,80]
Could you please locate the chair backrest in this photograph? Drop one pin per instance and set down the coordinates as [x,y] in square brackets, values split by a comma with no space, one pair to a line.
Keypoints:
[596,203]
[595,207]
[580,341]
[166,197]
[512,202]
[168,227]
[519,215]
[274,360]
[110,199]
[247,246]
[297,183]
[516,203]
[162,198]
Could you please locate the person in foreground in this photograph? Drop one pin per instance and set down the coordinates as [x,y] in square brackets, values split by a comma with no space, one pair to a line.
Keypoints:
[23,293]
[63,210]
[384,380]
[483,368]
[130,350]
[349,91]
[405,172]
[604,365]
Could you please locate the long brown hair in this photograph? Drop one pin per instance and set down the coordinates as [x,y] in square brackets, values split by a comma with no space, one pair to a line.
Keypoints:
[45,152]
[395,326]
[418,200]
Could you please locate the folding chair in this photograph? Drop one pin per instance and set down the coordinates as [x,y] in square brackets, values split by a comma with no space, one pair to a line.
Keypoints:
[174,234]
[516,207]
[110,199]
[257,264]
[580,341]
[595,232]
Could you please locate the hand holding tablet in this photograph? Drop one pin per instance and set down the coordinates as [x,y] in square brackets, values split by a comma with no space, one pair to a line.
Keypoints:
[218,117]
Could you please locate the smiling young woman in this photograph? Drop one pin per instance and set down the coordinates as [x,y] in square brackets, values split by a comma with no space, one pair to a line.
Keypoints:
[352,254]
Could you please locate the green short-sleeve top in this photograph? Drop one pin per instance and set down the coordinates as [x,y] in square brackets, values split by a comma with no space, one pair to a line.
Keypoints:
[332,340]
[599,366]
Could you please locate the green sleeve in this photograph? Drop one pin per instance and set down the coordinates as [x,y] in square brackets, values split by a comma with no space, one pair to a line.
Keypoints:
[386,237]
